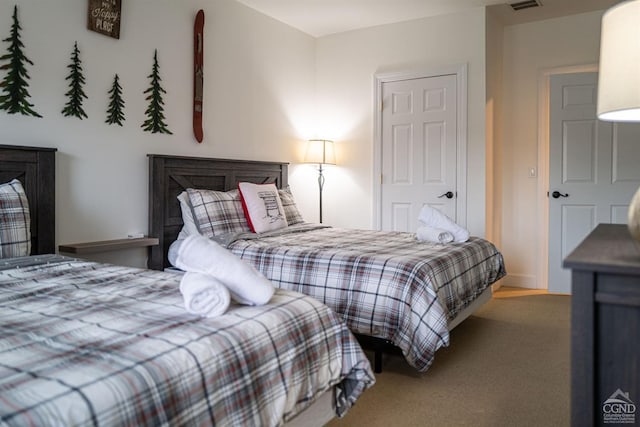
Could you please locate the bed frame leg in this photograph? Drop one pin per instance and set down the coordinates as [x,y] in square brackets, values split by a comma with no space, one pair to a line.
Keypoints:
[377,362]
[379,346]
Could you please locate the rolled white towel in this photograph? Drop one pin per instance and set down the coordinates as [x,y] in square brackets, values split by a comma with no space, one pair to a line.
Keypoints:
[433,217]
[199,254]
[431,234]
[204,295]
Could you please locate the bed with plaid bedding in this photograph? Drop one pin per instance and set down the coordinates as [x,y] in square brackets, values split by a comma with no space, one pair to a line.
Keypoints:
[85,343]
[384,284]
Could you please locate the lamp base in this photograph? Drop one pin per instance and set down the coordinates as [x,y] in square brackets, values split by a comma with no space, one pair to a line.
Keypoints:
[633,221]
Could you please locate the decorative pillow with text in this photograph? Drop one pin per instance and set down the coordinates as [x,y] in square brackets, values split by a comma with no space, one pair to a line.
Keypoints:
[262,207]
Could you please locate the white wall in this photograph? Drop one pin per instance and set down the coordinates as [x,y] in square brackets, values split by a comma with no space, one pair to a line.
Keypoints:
[259,88]
[268,88]
[530,50]
[346,65]
[494,37]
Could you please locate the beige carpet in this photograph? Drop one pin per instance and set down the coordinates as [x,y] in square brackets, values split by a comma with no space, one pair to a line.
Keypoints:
[507,365]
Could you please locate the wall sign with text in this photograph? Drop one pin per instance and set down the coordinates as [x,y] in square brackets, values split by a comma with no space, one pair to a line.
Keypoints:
[104,17]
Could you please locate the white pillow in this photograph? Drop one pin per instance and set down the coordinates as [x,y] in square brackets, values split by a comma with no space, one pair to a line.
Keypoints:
[262,207]
[189,226]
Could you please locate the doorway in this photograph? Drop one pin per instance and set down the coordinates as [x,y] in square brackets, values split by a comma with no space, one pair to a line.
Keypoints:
[592,169]
[420,146]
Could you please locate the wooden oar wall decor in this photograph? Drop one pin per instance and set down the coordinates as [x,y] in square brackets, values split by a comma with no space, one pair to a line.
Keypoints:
[198,74]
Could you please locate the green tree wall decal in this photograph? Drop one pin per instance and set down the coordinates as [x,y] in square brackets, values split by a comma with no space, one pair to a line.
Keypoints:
[155,111]
[14,85]
[115,113]
[73,107]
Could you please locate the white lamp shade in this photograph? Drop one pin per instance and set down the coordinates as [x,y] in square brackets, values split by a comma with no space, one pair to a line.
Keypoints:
[320,151]
[619,72]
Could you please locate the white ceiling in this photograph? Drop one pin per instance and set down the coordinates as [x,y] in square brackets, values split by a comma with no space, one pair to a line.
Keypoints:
[322,17]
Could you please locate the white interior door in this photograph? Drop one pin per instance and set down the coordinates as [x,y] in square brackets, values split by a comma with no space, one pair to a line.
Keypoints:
[419,148]
[593,169]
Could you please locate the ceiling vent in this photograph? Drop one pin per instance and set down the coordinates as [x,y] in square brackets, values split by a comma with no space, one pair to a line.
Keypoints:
[526,4]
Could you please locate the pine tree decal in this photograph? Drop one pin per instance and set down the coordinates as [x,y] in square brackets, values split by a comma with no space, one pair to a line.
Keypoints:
[14,85]
[73,107]
[155,111]
[115,113]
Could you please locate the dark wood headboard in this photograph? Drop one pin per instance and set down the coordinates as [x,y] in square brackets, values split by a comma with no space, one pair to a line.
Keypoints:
[170,175]
[35,167]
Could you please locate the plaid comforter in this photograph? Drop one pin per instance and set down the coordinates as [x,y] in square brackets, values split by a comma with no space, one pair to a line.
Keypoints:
[383,284]
[84,343]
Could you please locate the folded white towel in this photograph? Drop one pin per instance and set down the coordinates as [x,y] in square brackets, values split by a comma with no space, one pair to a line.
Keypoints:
[199,254]
[431,234]
[433,217]
[204,295]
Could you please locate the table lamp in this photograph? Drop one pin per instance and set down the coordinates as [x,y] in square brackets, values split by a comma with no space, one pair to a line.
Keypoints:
[619,78]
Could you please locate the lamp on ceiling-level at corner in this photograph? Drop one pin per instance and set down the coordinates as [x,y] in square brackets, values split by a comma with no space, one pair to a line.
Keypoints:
[619,78]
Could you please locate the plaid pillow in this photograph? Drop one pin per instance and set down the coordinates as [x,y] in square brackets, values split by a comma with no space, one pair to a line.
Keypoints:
[217,212]
[15,221]
[289,205]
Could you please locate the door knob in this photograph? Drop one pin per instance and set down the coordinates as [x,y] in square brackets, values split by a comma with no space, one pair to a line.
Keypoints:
[448,195]
[557,194]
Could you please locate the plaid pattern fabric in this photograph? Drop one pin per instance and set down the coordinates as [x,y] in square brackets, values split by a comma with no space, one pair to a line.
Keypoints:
[383,284]
[15,221]
[90,344]
[217,212]
[290,208]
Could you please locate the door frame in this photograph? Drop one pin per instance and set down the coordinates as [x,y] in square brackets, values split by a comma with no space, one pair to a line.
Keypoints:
[544,95]
[460,71]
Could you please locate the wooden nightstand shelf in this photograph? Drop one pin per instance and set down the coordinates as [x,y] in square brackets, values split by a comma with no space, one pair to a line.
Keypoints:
[108,245]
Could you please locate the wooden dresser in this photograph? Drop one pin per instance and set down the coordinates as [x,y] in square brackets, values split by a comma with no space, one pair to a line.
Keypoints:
[605,327]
